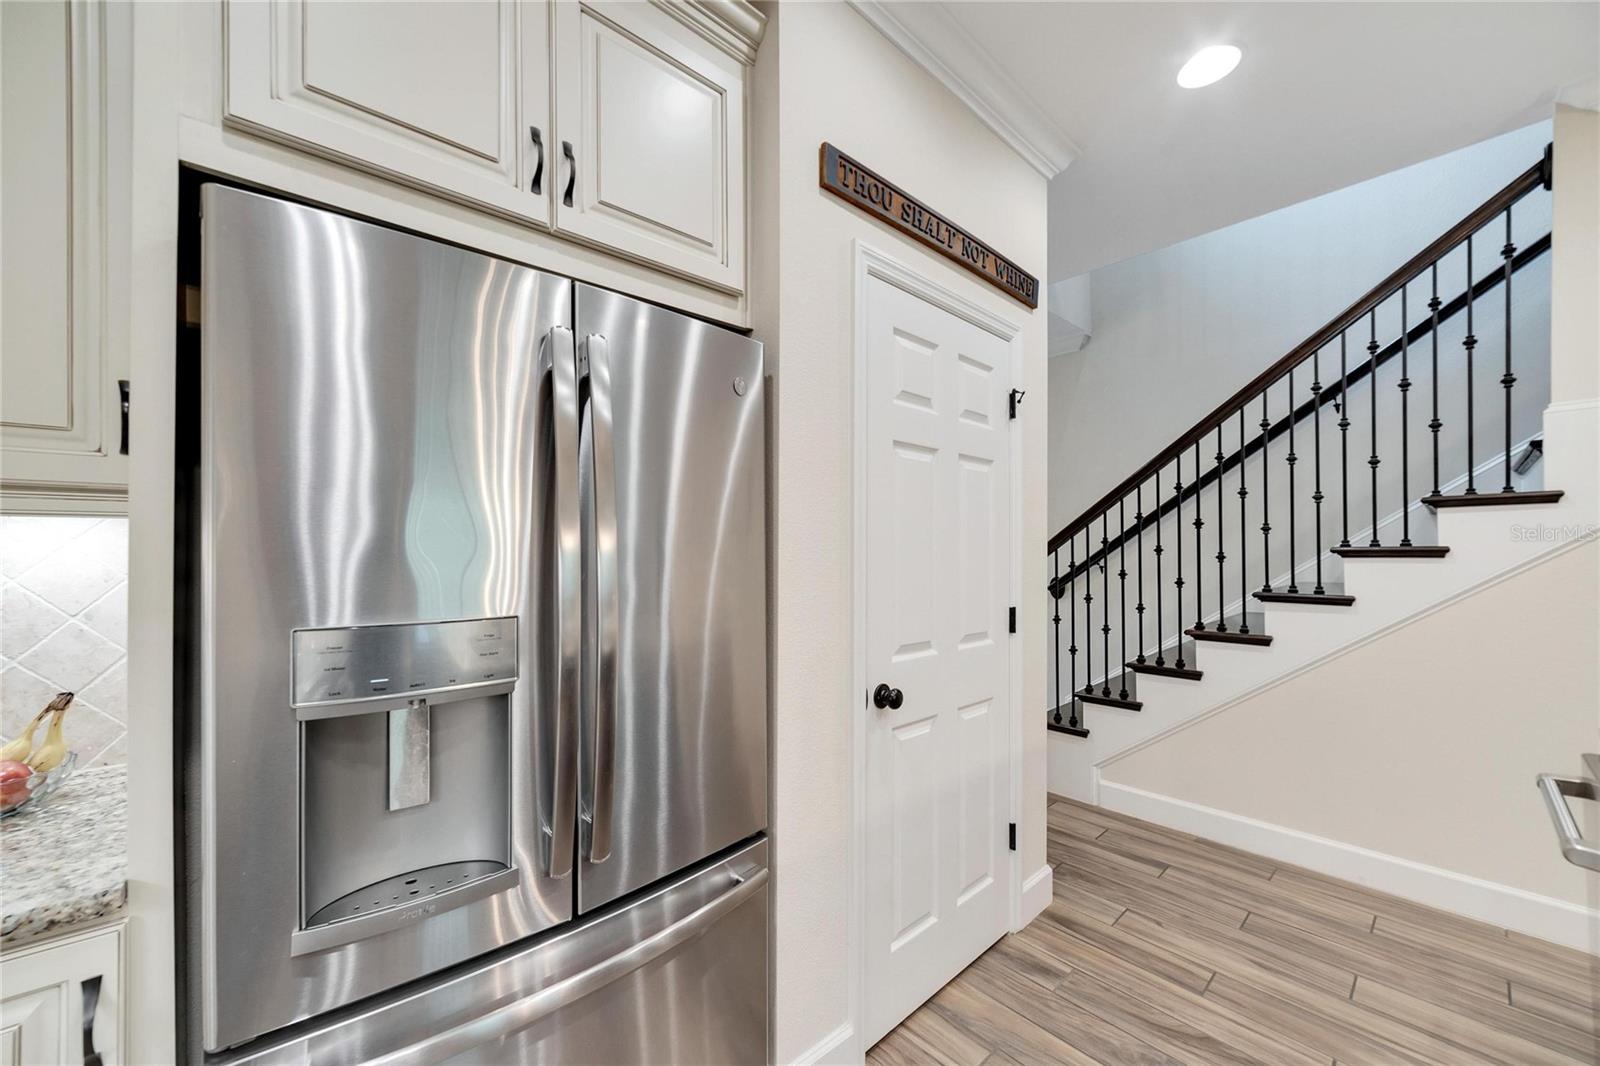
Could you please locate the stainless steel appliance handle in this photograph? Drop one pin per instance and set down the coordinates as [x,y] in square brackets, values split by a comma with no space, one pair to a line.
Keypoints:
[1555,790]
[606,602]
[516,1016]
[569,627]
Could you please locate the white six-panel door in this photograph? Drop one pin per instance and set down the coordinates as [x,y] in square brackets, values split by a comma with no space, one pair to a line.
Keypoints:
[938,543]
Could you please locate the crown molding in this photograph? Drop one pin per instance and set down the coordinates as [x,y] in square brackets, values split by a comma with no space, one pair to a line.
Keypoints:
[735,26]
[931,37]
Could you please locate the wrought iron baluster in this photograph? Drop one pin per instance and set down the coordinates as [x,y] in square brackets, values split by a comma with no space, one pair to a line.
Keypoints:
[1072,634]
[1266,494]
[1088,613]
[1222,587]
[1291,459]
[1122,591]
[1405,417]
[1138,554]
[1316,464]
[1105,605]
[1469,342]
[1343,407]
[1161,659]
[1244,540]
[1055,601]
[1434,425]
[1199,524]
[1509,379]
[1372,395]
[1177,540]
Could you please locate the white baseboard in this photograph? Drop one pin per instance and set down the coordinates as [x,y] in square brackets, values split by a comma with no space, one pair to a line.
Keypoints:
[835,1047]
[1513,908]
[1037,891]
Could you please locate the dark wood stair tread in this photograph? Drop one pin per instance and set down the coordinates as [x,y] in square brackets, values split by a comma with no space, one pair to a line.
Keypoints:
[1124,682]
[1230,633]
[1170,654]
[1330,597]
[1065,710]
[1393,551]
[1188,673]
[1494,499]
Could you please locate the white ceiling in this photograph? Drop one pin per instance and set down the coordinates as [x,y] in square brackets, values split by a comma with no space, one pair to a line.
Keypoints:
[1328,94]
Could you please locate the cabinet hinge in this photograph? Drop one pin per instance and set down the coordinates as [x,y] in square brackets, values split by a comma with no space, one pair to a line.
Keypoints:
[1016,401]
[1013,619]
[1011,835]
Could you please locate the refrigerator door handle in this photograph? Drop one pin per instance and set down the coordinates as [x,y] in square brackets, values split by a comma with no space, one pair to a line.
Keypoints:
[564,788]
[606,600]
[519,1014]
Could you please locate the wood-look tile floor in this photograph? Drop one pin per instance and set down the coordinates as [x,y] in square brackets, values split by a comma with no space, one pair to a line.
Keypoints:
[1163,948]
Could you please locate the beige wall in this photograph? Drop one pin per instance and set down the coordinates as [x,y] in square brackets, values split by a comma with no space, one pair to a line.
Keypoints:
[1423,744]
[825,74]
[1575,240]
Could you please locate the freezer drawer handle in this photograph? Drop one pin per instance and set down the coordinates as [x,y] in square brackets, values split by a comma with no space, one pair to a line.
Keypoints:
[1555,790]
[514,1017]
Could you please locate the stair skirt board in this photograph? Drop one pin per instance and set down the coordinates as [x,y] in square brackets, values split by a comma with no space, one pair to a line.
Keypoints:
[1555,920]
[1495,499]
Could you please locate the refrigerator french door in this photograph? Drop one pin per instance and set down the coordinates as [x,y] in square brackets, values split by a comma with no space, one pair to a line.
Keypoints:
[479,654]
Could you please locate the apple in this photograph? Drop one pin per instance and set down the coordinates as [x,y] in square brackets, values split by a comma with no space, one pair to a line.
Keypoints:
[14,783]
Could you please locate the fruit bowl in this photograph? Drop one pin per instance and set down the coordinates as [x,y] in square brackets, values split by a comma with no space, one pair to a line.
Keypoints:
[20,793]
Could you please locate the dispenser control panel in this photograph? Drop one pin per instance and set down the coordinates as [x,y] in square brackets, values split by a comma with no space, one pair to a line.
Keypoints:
[385,662]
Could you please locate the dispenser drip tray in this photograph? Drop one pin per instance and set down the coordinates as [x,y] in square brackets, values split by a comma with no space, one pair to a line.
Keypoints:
[405,889]
[402,900]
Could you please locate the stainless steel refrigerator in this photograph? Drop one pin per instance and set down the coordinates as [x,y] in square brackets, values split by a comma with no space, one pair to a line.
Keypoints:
[478,749]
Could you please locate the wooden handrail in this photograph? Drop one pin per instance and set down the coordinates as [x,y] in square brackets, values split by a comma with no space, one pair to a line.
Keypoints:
[1331,395]
[1534,177]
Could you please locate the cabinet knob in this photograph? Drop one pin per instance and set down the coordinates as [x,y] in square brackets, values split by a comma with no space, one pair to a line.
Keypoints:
[884,696]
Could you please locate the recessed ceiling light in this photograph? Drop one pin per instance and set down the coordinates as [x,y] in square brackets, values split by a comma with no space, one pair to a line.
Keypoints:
[1212,63]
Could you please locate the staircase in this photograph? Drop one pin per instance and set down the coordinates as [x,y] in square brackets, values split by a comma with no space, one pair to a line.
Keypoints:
[1390,462]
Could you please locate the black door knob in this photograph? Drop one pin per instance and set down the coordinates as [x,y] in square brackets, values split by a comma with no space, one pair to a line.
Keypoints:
[884,696]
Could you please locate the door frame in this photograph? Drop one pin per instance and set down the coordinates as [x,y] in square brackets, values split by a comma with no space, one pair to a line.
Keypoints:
[872,263]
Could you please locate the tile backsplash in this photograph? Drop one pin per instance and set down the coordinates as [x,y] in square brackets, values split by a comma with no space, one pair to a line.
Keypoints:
[64,627]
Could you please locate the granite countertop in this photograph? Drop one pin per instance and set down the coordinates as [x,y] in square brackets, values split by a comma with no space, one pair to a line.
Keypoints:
[66,861]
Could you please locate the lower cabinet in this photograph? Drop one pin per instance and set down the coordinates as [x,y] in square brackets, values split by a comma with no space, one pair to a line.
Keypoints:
[63,1000]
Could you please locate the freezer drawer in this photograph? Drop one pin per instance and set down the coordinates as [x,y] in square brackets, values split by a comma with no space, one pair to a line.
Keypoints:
[677,976]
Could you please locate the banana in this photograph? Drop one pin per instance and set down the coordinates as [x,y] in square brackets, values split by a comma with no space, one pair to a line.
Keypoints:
[49,755]
[19,748]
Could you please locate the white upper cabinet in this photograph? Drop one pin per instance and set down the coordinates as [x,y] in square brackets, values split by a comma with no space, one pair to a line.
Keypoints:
[650,113]
[617,124]
[452,96]
[64,86]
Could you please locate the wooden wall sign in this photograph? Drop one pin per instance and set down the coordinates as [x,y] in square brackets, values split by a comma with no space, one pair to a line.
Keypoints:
[854,183]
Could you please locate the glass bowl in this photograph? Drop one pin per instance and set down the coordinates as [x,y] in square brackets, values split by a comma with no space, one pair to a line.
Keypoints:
[24,792]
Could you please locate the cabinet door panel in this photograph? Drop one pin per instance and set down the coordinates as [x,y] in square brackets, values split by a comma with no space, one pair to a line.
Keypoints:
[655,118]
[436,93]
[63,151]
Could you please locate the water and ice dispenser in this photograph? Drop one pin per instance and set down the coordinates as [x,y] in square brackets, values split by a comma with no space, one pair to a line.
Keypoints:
[405,774]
